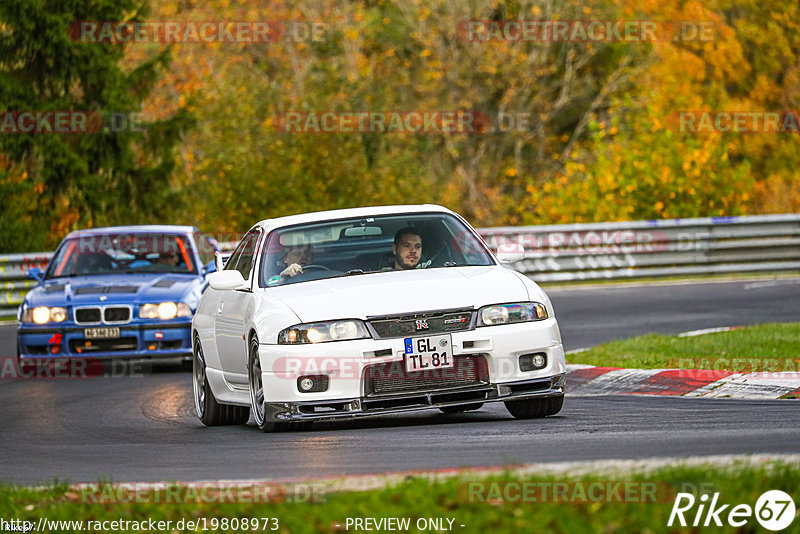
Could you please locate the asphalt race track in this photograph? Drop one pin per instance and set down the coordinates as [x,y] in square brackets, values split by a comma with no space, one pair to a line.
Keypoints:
[143,428]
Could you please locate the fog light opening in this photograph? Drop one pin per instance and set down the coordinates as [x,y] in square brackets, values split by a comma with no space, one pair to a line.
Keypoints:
[312,383]
[533,362]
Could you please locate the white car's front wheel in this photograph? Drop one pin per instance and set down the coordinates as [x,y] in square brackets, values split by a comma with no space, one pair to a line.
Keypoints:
[257,405]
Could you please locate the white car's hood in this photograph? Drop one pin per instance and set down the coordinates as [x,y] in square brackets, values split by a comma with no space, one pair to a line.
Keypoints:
[396,292]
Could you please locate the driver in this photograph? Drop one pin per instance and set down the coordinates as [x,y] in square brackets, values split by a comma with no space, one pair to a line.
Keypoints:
[170,258]
[407,249]
[294,259]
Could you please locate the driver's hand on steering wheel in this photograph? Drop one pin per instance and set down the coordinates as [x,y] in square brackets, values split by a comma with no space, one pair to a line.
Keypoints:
[292,270]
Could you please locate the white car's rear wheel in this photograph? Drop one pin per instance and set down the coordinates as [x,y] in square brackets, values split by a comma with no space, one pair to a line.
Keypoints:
[533,408]
[210,412]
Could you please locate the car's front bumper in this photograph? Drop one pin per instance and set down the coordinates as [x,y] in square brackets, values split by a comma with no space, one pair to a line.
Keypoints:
[351,408]
[489,371]
[136,340]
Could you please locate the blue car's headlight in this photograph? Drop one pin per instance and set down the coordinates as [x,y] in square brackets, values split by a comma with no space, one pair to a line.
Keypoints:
[520,312]
[164,310]
[43,314]
[322,332]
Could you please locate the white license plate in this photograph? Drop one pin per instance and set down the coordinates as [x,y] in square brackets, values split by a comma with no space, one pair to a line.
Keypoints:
[101,333]
[423,353]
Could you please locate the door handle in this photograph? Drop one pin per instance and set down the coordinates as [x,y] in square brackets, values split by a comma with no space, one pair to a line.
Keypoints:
[219,309]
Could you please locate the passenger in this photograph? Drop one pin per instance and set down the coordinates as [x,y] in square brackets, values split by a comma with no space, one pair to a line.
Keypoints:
[407,249]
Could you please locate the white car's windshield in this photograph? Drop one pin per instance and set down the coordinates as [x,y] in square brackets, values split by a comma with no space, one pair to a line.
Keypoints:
[369,244]
[102,254]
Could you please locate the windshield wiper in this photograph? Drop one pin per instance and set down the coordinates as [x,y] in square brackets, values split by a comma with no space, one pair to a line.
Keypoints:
[450,264]
[352,272]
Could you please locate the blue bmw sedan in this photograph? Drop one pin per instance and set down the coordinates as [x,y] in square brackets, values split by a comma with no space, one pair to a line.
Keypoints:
[118,292]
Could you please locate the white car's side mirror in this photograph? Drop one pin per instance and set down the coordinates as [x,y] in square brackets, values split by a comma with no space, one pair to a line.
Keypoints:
[226,280]
[510,253]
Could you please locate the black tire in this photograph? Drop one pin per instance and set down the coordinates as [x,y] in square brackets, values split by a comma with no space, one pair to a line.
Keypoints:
[462,408]
[211,412]
[257,396]
[535,408]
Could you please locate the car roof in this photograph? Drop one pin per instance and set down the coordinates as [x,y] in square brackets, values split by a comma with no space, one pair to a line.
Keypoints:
[135,229]
[332,215]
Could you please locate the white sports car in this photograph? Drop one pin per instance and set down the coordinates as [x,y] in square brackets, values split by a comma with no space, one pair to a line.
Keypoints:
[370,311]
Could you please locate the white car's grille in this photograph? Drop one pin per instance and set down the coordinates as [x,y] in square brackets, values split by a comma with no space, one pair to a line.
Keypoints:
[392,378]
[436,322]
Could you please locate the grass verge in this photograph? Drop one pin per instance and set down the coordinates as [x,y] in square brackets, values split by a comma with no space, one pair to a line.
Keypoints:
[509,503]
[772,347]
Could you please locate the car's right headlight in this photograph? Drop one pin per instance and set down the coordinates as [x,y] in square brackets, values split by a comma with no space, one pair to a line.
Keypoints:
[323,332]
[164,310]
[43,314]
[519,312]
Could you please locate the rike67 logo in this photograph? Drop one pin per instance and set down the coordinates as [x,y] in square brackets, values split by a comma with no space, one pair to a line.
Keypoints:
[774,510]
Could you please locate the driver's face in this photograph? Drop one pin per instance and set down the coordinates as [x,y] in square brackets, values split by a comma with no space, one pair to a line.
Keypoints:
[408,252]
[301,255]
[169,258]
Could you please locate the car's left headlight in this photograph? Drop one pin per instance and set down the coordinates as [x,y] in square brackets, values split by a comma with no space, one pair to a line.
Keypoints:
[164,310]
[519,312]
[322,332]
[43,314]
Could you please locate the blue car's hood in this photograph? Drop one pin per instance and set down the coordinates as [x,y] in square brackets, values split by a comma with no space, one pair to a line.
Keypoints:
[109,289]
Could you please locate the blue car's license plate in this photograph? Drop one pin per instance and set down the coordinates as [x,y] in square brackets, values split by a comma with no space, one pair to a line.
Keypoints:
[101,332]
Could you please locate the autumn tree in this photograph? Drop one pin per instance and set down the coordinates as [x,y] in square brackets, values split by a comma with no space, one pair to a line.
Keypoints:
[55,182]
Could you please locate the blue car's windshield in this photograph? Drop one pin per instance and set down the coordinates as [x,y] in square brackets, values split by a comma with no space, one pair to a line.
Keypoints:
[121,253]
[348,247]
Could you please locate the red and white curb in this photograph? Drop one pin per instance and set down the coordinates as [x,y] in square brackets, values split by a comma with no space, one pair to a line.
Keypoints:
[590,380]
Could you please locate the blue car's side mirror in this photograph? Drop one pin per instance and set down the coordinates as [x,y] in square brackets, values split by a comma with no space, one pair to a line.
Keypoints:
[209,268]
[35,274]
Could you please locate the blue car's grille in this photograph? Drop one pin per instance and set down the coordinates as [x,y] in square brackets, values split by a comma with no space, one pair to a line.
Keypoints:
[107,314]
[117,315]
[87,315]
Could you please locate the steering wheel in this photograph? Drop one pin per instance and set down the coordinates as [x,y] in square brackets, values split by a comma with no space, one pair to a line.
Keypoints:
[314,266]
[432,258]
